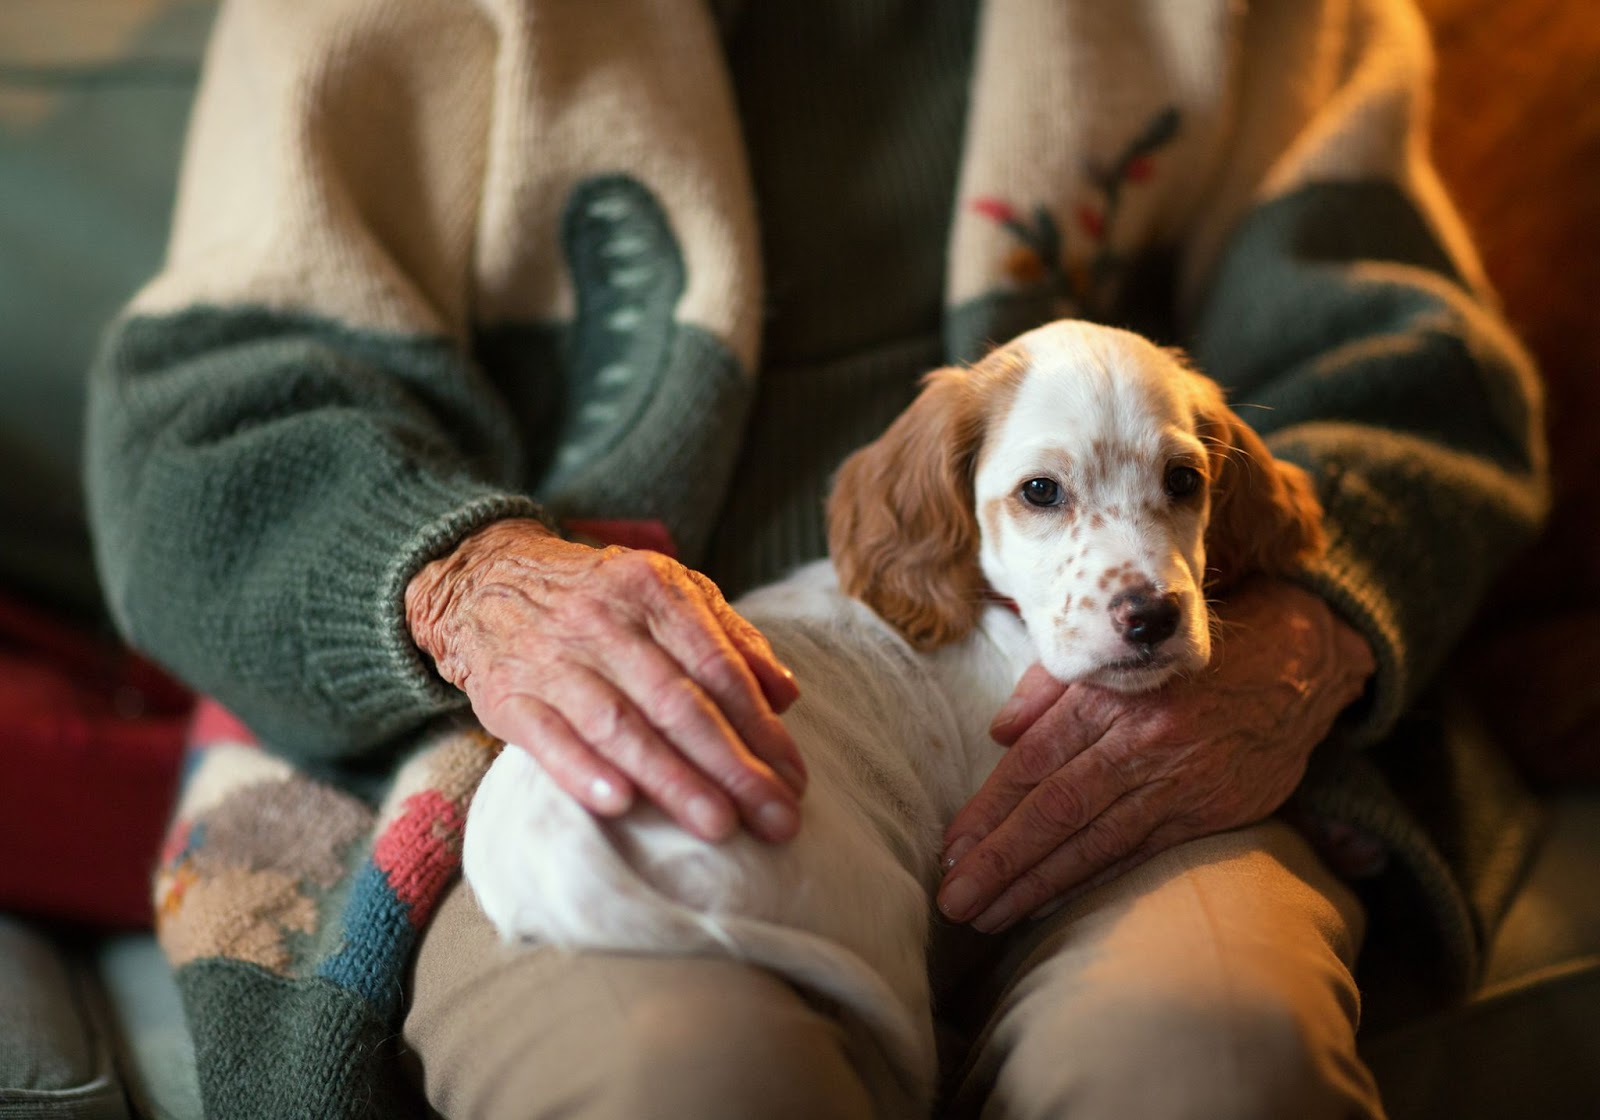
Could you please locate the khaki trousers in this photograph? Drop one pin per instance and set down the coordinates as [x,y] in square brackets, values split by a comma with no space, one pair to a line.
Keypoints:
[1214,981]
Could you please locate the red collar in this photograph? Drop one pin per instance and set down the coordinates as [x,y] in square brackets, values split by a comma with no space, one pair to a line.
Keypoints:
[990,595]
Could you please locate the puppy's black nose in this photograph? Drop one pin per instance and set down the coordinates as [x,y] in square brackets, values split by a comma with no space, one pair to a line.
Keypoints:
[1145,616]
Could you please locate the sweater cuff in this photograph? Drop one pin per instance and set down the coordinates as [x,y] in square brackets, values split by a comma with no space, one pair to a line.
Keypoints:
[356,627]
[1345,579]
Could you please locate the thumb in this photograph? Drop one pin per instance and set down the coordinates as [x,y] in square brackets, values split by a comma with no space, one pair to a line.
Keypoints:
[1033,696]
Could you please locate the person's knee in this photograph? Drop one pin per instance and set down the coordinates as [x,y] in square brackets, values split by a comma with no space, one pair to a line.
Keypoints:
[1248,1053]
[541,1032]
[745,1050]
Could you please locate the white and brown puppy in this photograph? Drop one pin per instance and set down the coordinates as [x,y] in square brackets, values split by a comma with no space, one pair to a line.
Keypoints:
[1088,476]
[1070,499]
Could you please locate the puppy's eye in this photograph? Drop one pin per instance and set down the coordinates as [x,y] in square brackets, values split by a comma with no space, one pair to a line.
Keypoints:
[1041,492]
[1182,482]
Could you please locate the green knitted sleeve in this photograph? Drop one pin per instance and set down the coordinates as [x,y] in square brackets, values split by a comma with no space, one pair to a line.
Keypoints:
[1344,333]
[288,421]
[262,485]
[1331,287]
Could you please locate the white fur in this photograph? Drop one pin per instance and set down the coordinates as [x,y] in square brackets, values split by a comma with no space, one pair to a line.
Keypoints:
[895,741]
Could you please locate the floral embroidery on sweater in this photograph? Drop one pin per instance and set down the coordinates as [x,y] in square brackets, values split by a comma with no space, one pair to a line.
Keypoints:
[1044,257]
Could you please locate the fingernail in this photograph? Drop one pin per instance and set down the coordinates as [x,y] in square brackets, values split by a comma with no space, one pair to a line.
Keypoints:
[777,820]
[707,818]
[607,796]
[958,897]
[994,918]
[958,848]
[791,686]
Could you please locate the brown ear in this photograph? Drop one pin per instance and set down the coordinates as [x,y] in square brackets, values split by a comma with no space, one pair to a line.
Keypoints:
[1265,516]
[901,528]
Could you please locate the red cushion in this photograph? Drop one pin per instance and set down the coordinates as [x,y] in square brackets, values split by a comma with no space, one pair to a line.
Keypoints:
[91,744]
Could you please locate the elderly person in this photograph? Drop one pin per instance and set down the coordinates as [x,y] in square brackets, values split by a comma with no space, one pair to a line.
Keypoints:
[447,280]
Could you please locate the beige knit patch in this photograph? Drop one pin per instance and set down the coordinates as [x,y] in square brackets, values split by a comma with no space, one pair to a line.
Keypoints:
[333,166]
[1371,122]
[226,770]
[637,87]
[232,912]
[405,167]
[301,828]
[1327,91]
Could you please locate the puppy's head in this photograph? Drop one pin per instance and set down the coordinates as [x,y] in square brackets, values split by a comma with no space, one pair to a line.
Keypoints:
[1085,474]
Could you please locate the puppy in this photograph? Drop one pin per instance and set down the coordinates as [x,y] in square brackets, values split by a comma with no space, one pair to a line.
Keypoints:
[1070,499]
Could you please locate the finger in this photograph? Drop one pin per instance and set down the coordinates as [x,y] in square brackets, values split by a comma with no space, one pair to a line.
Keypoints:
[539,730]
[780,690]
[688,630]
[777,682]
[612,727]
[1034,695]
[684,716]
[1113,838]
[1054,739]
[1059,807]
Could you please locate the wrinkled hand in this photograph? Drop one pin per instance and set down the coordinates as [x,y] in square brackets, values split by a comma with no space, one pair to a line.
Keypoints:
[1095,782]
[622,672]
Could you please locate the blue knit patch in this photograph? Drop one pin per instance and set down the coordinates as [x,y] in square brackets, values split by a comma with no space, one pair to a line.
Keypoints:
[378,937]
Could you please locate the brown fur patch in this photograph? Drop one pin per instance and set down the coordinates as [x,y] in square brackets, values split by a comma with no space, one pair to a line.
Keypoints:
[902,529]
[1265,516]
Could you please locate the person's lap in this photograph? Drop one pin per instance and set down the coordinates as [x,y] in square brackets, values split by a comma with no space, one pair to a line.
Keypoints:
[1213,981]
[539,1032]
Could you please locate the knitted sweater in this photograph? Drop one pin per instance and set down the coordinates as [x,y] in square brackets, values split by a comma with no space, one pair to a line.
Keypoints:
[436,264]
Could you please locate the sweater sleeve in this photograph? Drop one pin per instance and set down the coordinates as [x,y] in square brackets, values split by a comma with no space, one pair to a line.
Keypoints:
[1333,292]
[287,422]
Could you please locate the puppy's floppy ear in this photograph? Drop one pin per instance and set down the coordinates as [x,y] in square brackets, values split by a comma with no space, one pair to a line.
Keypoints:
[1265,516]
[901,526]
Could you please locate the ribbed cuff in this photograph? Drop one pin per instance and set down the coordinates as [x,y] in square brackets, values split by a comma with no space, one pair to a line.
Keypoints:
[356,626]
[1344,578]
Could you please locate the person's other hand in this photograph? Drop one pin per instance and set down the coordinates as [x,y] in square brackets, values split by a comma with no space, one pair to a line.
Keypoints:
[623,672]
[1095,782]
